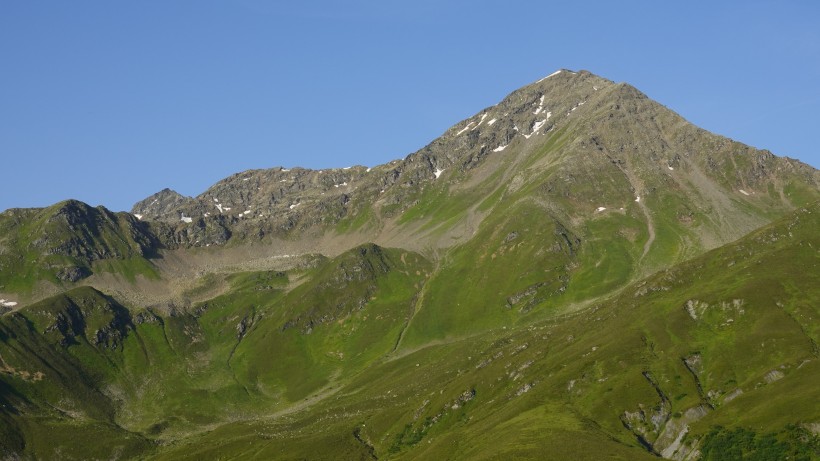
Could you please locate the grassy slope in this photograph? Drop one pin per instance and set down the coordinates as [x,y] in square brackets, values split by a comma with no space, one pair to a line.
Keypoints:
[565,386]
[81,364]
[378,352]
[39,244]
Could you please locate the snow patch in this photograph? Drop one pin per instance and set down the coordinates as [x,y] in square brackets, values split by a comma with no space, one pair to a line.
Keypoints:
[576,106]
[500,148]
[670,168]
[550,75]
[219,207]
[600,208]
[549,114]
[537,126]
[638,198]
[244,179]
[339,185]
[185,219]
[294,206]
[138,216]
[744,192]
[540,106]
[347,167]
[216,199]
[492,121]
[483,116]
[367,170]
[438,172]
[465,128]
[284,170]
[7,303]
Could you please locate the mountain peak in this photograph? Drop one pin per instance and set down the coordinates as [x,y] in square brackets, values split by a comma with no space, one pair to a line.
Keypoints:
[572,132]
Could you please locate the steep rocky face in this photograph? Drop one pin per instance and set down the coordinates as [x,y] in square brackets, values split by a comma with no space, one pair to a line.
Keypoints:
[578,142]
[162,204]
[76,230]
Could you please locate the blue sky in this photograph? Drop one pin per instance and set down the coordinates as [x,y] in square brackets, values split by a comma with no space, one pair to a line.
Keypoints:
[109,102]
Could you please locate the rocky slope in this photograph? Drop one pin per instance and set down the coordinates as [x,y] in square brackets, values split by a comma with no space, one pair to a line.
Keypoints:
[576,140]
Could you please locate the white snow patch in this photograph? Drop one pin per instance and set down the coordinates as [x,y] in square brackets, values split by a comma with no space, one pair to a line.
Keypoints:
[216,199]
[438,172]
[744,192]
[339,185]
[492,121]
[537,126]
[483,116]
[549,114]
[670,168]
[638,198]
[206,215]
[465,128]
[186,219]
[7,303]
[367,170]
[284,170]
[600,208]
[500,148]
[219,207]
[284,180]
[294,206]
[227,208]
[347,167]
[540,106]
[244,179]
[550,75]
[595,88]
[138,216]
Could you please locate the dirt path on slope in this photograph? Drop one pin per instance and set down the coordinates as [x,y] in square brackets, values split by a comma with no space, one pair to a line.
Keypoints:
[638,186]
[416,305]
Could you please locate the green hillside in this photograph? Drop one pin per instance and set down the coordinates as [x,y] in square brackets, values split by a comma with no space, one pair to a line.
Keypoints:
[273,370]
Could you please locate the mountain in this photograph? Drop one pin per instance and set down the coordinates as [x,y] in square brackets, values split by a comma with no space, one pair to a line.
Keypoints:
[64,242]
[574,272]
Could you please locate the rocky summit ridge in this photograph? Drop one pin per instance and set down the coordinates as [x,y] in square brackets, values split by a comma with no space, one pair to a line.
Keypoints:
[576,272]
[593,127]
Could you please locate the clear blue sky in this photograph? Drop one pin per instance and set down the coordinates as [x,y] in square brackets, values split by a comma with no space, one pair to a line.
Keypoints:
[109,102]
